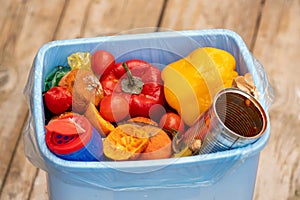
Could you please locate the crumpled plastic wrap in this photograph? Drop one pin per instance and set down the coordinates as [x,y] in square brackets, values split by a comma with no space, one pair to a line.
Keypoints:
[159,49]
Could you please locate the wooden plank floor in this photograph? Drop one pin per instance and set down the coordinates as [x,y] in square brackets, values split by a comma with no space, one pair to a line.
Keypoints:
[270,28]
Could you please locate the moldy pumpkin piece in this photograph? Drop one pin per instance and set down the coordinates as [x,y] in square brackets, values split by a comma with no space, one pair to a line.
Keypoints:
[159,146]
[125,142]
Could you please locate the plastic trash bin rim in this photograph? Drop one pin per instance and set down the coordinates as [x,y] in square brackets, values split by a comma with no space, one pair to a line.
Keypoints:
[77,165]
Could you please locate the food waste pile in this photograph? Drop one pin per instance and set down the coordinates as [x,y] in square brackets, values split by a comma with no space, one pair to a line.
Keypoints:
[97,109]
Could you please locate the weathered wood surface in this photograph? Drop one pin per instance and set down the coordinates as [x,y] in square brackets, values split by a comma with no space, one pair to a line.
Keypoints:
[25,26]
[277,46]
[239,16]
[271,29]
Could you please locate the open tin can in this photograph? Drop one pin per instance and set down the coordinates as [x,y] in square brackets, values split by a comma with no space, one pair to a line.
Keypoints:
[234,120]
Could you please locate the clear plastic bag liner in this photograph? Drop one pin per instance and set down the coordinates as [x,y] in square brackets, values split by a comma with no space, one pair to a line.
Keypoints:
[159,49]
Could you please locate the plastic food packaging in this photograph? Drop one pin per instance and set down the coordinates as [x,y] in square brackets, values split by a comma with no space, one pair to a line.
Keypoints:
[84,143]
[228,174]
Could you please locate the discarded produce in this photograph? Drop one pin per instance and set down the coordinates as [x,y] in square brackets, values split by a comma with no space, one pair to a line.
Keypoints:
[96,94]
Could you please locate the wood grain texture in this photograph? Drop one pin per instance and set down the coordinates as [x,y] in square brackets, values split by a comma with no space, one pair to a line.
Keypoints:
[39,189]
[8,78]
[101,17]
[20,178]
[277,47]
[28,25]
[239,16]
[113,17]
[71,25]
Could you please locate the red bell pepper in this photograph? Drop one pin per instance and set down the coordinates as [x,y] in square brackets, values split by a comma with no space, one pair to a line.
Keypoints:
[140,83]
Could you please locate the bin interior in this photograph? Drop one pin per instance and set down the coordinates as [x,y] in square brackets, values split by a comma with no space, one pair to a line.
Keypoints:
[159,49]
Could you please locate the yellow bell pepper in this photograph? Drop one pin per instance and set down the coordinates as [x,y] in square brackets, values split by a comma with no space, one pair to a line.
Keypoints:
[191,82]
